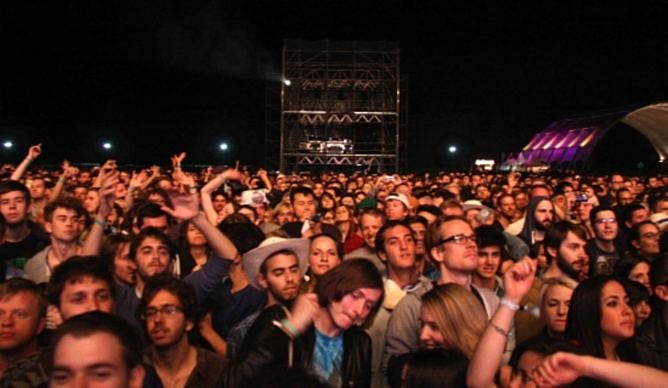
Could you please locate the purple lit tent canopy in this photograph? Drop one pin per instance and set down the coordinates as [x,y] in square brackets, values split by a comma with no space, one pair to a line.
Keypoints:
[572,140]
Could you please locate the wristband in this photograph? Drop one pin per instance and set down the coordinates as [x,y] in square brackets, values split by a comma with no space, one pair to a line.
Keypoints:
[290,327]
[510,305]
[101,223]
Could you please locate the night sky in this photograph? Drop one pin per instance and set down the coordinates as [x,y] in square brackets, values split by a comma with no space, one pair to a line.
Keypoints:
[157,77]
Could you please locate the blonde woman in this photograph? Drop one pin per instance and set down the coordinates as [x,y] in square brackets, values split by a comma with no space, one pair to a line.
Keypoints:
[555,299]
[452,318]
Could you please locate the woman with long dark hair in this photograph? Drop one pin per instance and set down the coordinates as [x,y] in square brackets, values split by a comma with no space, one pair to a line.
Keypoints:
[193,248]
[600,319]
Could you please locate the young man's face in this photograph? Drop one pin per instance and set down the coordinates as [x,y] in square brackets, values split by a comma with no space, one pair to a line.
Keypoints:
[163,328]
[370,224]
[84,294]
[572,257]
[648,241]
[95,360]
[304,206]
[489,259]
[399,248]
[64,225]
[459,257]
[507,206]
[13,207]
[80,193]
[638,216]
[354,307]
[37,189]
[419,231]
[395,210]
[20,321]
[282,277]
[219,203]
[605,225]
[152,257]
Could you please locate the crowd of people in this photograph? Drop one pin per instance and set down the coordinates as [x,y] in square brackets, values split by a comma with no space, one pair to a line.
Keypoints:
[166,277]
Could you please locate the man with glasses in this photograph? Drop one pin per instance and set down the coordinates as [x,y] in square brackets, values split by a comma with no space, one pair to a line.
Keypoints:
[601,249]
[644,240]
[169,311]
[451,243]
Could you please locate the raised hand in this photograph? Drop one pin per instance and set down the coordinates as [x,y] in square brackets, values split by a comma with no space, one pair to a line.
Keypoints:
[513,178]
[109,165]
[177,159]
[185,207]
[233,174]
[517,280]
[155,171]
[34,151]
[304,310]
[108,179]
[182,178]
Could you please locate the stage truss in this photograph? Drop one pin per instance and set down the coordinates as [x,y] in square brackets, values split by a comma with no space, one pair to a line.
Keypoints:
[341,104]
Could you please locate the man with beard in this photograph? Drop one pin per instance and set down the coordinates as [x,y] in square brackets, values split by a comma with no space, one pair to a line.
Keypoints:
[539,218]
[565,250]
[276,266]
[507,210]
[154,254]
[601,249]
[22,239]
[169,309]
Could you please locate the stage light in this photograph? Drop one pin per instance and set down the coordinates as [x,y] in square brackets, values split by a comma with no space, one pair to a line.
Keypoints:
[223,146]
[452,149]
[106,145]
[287,82]
[8,144]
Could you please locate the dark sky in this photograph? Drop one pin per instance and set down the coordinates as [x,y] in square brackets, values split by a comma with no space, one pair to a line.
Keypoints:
[157,77]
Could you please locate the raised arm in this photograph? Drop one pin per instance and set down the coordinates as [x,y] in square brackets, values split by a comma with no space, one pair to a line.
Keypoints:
[68,172]
[33,152]
[138,181]
[262,174]
[488,354]
[562,369]
[186,208]
[213,185]
[108,181]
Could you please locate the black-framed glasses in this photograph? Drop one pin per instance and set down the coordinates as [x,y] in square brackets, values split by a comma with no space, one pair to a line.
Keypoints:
[608,220]
[166,310]
[459,239]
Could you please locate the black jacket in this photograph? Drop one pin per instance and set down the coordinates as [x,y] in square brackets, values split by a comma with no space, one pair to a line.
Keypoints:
[652,340]
[266,346]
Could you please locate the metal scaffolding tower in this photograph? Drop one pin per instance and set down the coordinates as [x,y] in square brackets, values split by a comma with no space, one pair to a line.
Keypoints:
[340,105]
